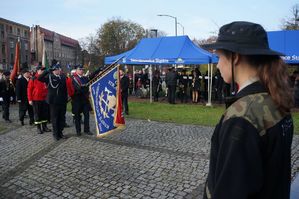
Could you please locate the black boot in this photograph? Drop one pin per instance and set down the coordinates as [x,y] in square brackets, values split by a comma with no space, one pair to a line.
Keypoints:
[45,128]
[31,121]
[39,129]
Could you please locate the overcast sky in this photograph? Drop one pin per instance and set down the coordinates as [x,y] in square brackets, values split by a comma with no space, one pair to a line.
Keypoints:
[201,19]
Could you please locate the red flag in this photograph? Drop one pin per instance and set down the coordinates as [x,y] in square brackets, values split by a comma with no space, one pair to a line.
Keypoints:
[119,119]
[16,67]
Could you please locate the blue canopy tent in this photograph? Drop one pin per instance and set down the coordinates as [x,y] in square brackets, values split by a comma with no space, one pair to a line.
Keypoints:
[165,50]
[287,42]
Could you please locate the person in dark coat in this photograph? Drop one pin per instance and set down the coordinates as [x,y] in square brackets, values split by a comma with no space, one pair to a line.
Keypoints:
[56,98]
[195,86]
[250,153]
[157,87]
[218,86]
[183,85]
[171,82]
[37,93]
[7,91]
[80,97]
[124,85]
[22,99]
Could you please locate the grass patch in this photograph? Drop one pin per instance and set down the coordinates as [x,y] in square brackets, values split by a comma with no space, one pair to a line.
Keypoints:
[184,113]
[2,128]
[296,122]
[179,113]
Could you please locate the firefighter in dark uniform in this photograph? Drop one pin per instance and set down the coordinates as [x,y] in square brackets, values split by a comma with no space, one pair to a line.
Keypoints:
[6,92]
[80,98]
[124,85]
[37,93]
[56,98]
[22,99]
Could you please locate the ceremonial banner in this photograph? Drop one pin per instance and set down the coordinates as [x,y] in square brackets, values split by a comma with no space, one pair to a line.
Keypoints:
[105,93]
[16,67]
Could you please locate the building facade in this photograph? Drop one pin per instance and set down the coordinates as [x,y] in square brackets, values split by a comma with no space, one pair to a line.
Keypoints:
[61,48]
[10,32]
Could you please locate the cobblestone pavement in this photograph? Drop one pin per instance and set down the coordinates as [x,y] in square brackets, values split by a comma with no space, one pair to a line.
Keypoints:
[146,160]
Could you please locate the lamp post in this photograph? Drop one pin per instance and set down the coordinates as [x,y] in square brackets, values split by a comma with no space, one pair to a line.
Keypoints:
[155,31]
[182,27]
[175,22]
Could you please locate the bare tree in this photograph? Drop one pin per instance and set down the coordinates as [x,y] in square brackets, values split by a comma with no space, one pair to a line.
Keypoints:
[292,23]
[90,51]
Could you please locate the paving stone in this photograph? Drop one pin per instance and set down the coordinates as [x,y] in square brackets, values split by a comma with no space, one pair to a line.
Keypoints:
[146,160]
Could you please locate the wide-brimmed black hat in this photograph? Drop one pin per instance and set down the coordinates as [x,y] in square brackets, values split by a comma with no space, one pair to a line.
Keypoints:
[243,37]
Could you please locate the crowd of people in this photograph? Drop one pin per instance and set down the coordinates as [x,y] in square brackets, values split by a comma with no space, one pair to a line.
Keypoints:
[44,94]
[185,86]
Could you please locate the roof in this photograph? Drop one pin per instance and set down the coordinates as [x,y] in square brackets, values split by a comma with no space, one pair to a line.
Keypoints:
[286,42]
[165,50]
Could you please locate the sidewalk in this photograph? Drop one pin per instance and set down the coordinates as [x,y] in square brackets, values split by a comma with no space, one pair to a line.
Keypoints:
[146,160]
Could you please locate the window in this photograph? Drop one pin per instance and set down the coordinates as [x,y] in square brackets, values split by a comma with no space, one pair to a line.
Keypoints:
[18,31]
[2,34]
[4,61]
[10,29]
[25,33]
[26,46]
[1,26]
[11,58]
[3,50]
[26,58]
[11,44]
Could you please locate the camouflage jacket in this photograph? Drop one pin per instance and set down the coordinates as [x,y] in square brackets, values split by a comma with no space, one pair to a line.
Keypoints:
[251,149]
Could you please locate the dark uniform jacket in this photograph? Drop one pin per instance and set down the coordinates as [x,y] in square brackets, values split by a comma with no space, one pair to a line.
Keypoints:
[124,84]
[81,90]
[21,89]
[78,87]
[251,149]
[57,91]
[6,90]
[171,78]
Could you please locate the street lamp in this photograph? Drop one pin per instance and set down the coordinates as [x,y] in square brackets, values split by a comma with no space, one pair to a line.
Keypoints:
[175,22]
[155,31]
[182,27]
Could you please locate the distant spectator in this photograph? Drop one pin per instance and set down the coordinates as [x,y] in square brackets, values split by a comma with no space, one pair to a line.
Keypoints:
[171,82]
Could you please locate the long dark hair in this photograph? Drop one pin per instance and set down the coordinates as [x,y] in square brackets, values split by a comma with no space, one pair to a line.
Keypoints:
[273,74]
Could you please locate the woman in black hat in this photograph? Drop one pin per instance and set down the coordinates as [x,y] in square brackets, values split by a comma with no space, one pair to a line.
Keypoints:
[251,146]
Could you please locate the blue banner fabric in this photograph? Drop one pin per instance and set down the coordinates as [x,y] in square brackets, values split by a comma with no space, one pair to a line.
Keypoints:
[104,98]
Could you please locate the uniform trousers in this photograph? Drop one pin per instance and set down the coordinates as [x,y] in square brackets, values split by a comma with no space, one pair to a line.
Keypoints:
[23,107]
[5,107]
[57,112]
[78,108]
[124,99]
[40,109]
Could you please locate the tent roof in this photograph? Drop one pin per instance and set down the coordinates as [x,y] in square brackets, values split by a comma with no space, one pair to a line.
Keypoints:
[286,42]
[165,50]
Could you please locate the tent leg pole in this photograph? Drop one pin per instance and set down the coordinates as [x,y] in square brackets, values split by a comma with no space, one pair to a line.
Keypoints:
[209,86]
[151,83]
